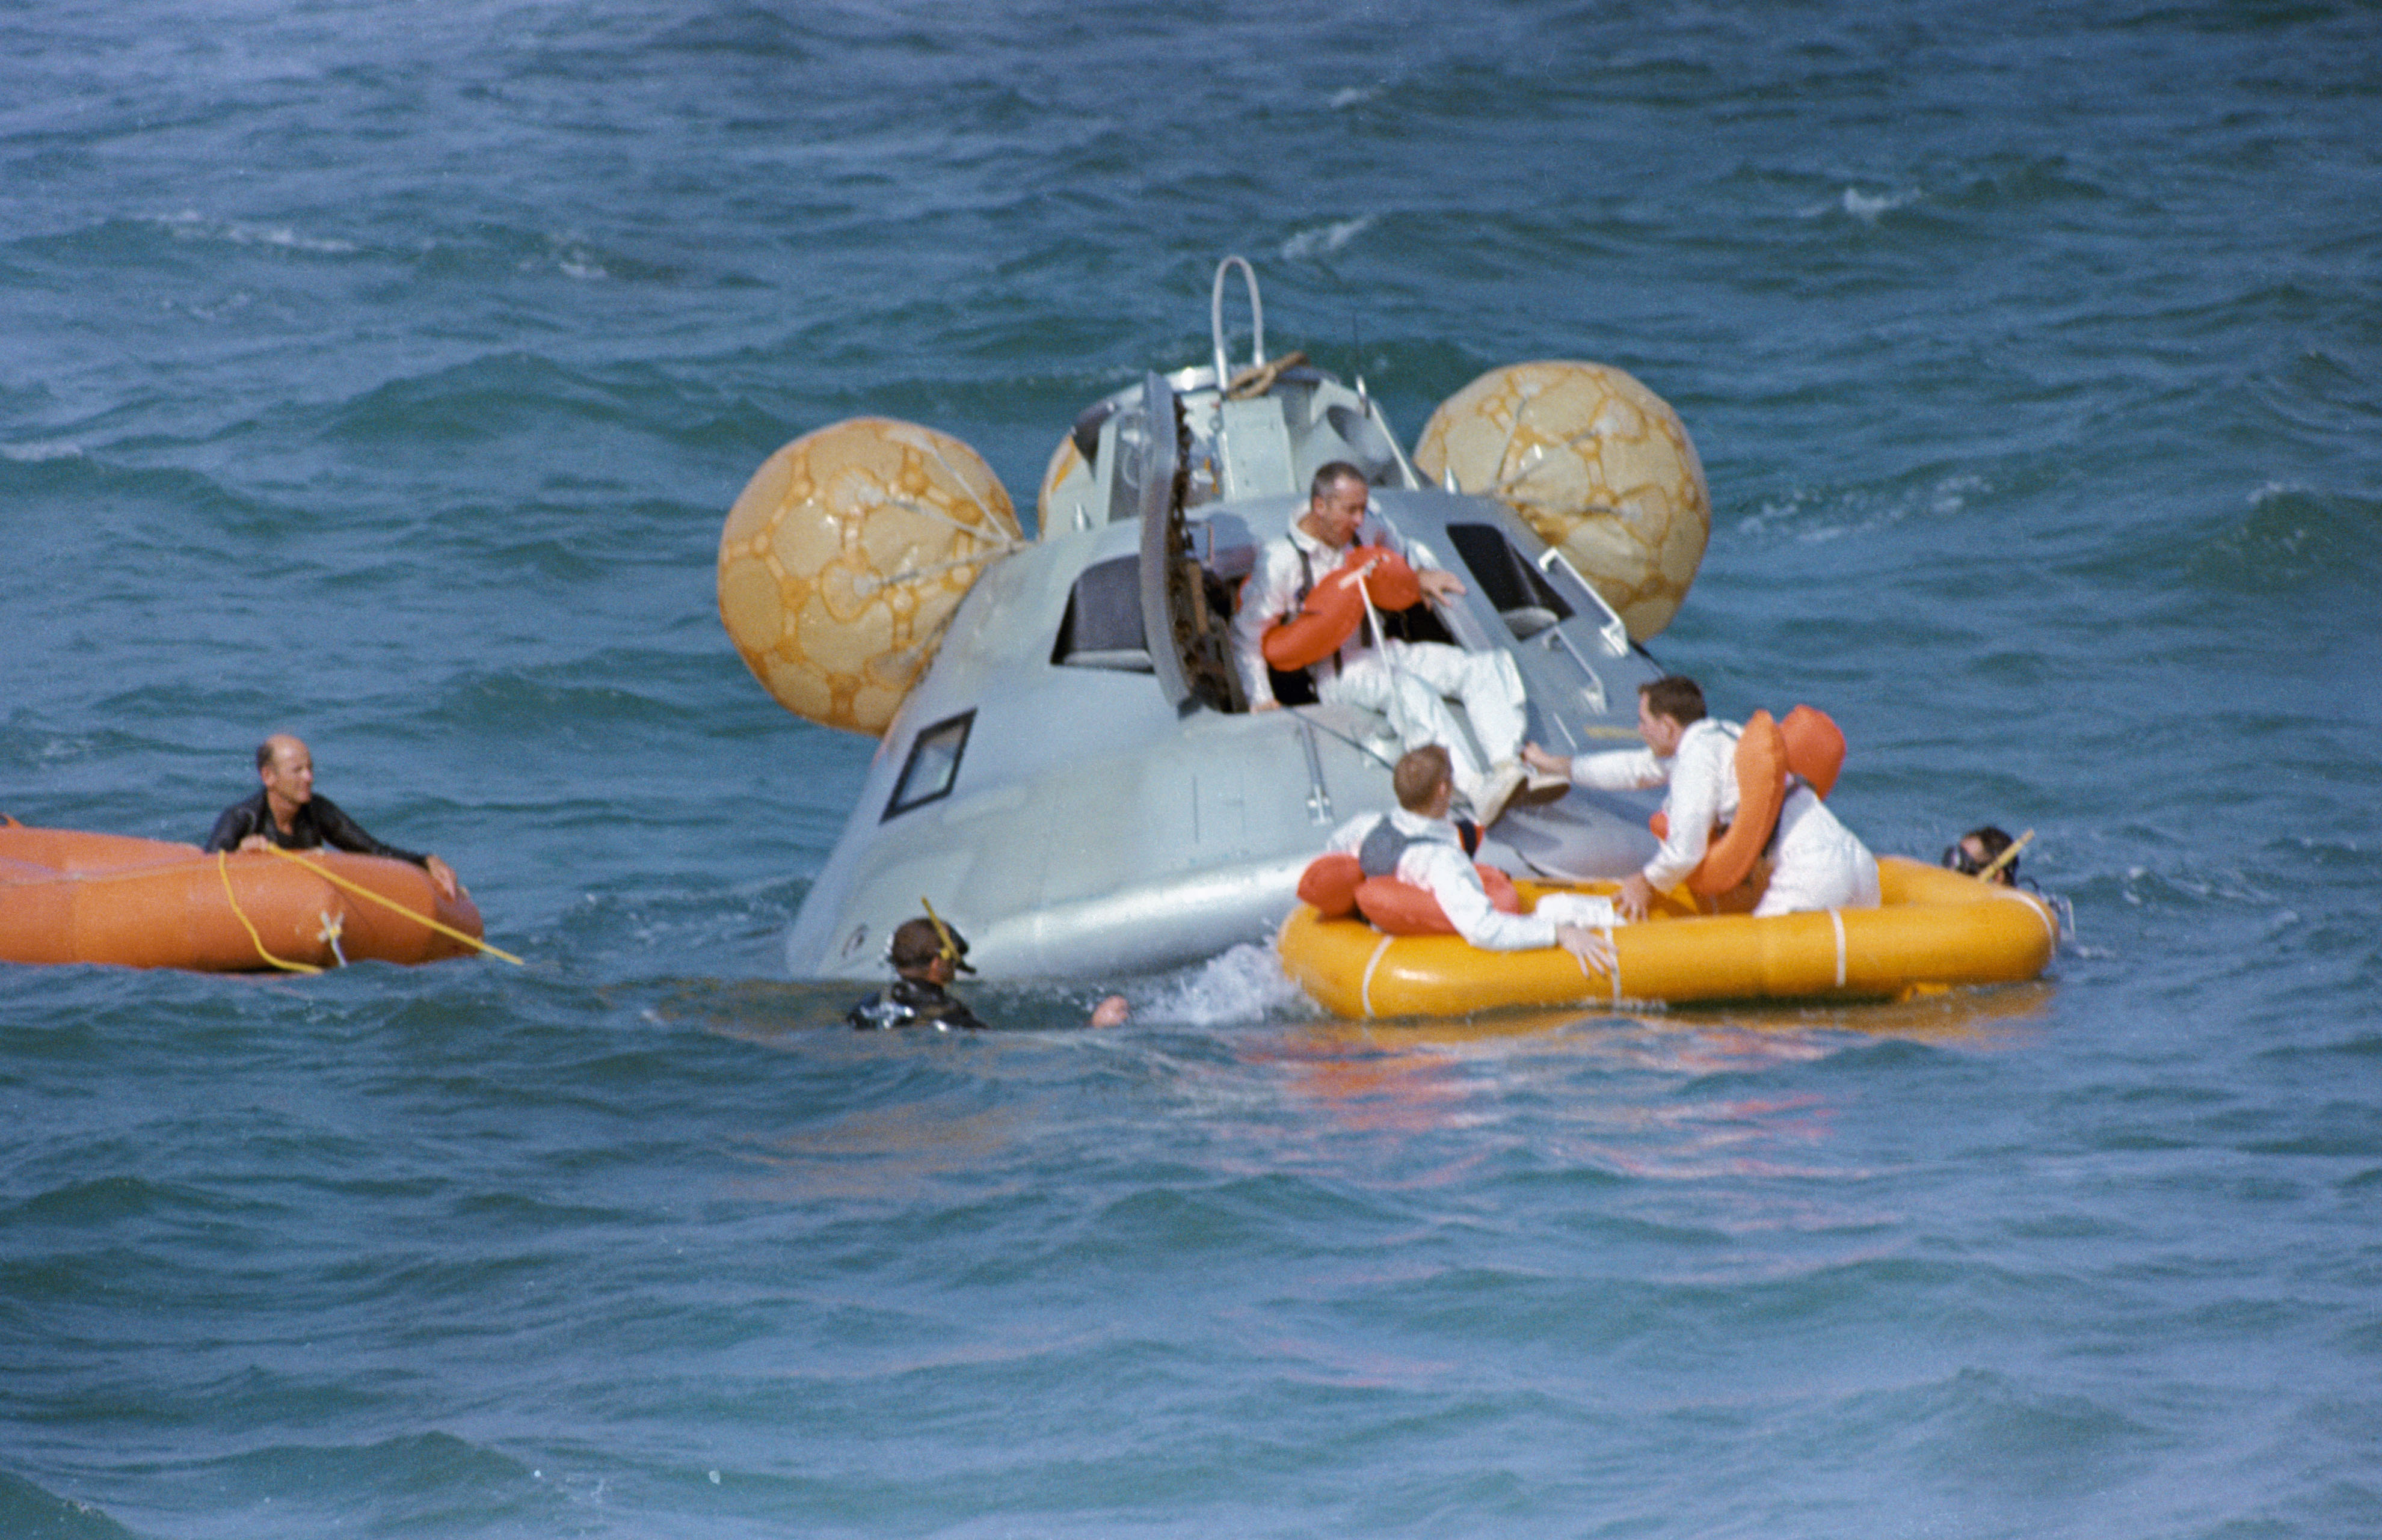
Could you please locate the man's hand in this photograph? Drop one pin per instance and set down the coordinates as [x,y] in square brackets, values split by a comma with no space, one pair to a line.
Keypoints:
[1594,952]
[1256,706]
[442,877]
[254,842]
[1439,583]
[1545,763]
[1111,1013]
[1635,895]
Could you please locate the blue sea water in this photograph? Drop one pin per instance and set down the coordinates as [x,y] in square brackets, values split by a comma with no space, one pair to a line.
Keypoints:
[384,374]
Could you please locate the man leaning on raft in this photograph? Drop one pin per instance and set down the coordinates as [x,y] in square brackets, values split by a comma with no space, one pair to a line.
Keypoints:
[1819,864]
[287,814]
[1418,844]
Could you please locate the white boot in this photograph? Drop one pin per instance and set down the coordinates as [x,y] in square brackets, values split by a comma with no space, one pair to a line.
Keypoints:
[1496,790]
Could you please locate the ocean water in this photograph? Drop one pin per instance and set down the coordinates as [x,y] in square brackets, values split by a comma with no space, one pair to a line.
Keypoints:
[383,373]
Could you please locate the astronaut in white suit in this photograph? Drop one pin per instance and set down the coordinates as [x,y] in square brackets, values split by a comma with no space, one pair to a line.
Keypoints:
[1816,862]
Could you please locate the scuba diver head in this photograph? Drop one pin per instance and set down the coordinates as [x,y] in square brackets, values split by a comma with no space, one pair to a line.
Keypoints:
[919,944]
[1984,852]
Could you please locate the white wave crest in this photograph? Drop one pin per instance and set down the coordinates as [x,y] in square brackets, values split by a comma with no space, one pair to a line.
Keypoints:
[1330,238]
[191,226]
[34,453]
[1245,984]
[1866,207]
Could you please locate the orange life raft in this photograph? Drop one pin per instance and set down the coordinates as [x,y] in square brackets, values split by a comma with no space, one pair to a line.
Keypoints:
[1934,928]
[70,897]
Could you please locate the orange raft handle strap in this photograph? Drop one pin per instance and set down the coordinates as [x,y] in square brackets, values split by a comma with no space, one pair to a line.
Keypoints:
[358,889]
[223,870]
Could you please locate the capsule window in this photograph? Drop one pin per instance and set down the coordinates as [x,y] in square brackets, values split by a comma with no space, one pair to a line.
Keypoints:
[1513,588]
[933,764]
[1102,626]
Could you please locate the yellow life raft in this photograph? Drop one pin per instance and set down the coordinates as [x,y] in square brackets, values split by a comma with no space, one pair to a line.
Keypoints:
[1933,928]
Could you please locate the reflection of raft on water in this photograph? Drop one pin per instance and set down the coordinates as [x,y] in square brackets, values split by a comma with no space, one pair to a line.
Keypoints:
[1934,928]
[70,897]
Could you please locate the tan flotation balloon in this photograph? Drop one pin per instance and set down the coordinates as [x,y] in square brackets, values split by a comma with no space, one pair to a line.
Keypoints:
[1594,461]
[845,554]
[1066,482]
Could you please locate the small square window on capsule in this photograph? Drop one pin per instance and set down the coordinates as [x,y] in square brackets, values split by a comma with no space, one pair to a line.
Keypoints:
[933,766]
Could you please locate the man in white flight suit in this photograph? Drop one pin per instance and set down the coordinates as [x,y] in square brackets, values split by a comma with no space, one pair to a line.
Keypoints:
[1407,682]
[1418,844]
[1818,863]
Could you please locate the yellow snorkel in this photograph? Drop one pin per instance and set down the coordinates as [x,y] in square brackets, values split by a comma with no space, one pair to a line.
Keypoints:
[954,952]
[1992,867]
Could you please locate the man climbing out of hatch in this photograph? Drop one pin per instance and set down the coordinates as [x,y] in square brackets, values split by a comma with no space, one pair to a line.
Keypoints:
[1419,844]
[926,956]
[1407,682]
[1817,862]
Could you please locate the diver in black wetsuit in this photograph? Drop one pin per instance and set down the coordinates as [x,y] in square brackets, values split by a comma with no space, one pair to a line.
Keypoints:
[287,814]
[929,954]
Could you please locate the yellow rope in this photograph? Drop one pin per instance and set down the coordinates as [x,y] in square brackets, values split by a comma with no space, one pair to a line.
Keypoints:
[332,877]
[223,870]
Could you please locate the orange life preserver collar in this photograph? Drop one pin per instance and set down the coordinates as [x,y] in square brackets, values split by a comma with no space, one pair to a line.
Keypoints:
[1771,758]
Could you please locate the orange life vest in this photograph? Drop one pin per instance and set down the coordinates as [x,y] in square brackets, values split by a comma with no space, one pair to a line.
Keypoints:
[1337,886]
[1761,791]
[1334,608]
[1815,747]
[1808,745]
[1398,908]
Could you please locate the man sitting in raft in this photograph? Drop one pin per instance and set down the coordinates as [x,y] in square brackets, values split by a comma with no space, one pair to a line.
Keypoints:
[1407,682]
[1817,862]
[287,814]
[1418,844]
[926,956]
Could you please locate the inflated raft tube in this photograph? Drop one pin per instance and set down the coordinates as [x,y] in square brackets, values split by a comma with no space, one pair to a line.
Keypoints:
[1934,928]
[70,897]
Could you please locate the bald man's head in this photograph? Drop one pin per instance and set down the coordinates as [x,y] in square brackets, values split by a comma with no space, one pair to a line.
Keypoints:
[286,770]
[278,743]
